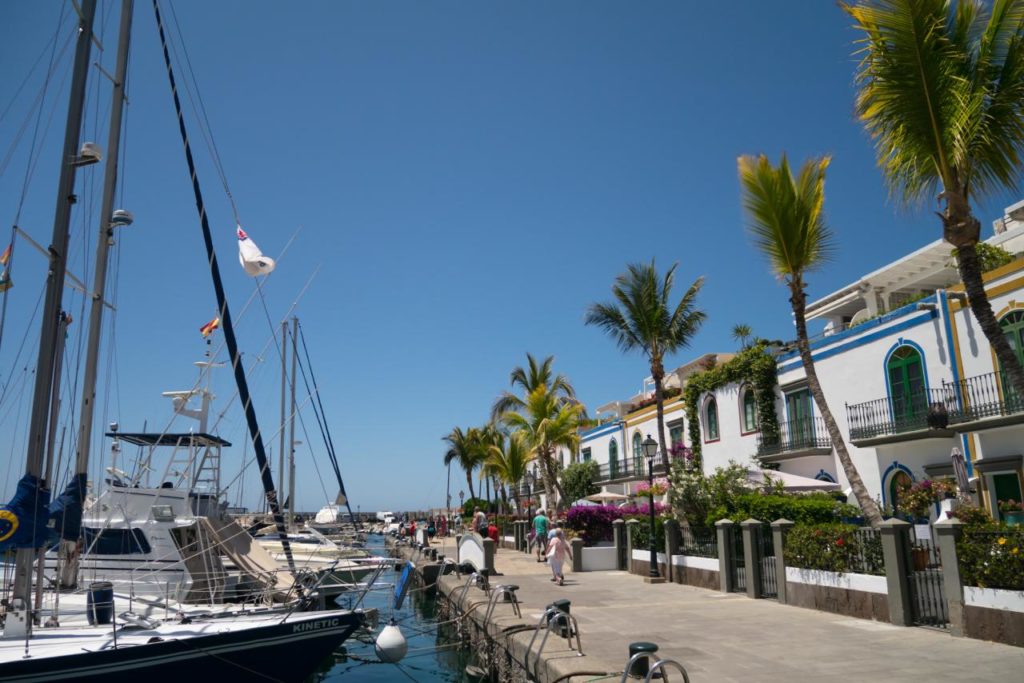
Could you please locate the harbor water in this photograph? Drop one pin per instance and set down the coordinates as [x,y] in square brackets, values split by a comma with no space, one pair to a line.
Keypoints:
[434,654]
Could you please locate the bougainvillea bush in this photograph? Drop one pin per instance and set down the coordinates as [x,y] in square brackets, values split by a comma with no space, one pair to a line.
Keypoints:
[593,523]
[834,548]
[992,557]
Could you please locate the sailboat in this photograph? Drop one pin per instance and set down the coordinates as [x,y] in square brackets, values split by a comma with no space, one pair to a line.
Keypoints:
[284,647]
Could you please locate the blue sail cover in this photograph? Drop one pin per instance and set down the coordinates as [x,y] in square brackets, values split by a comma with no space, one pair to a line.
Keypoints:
[66,509]
[23,521]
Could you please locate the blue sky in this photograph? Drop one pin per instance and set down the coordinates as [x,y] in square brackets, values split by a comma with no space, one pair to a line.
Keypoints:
[467,176]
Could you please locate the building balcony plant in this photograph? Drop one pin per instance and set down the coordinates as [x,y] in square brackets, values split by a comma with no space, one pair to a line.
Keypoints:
[1012,512]
[915,414]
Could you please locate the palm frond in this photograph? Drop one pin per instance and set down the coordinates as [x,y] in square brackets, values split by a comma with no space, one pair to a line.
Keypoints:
[785,214]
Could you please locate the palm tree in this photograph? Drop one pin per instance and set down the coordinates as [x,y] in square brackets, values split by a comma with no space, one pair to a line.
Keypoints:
[788,226]
[548,412]
[508,459]
[742,333]
[641,320]
[464,448]
[941,91]
[545,422]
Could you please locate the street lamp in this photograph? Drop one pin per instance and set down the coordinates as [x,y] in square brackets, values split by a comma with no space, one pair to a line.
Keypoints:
[529,480]
[650,447]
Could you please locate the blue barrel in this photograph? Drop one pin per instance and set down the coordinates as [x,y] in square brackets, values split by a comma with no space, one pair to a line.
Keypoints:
[100,603]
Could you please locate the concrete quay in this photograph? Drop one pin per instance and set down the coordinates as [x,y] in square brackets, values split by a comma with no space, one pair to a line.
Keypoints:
[716,636]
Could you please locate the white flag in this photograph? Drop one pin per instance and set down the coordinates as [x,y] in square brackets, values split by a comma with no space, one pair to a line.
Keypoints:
[250,256]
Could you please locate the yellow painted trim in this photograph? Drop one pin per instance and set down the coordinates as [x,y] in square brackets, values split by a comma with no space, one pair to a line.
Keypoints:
[1005,288]
[1002,271]
[639,416]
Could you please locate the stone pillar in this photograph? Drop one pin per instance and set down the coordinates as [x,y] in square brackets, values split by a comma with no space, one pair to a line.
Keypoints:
[948,531]
[458,551]
[619,536]
[671,546]
[752,556]
[489,548]
[630,525]
[896,552]
[724,530]
[576,545]
[517,535]
[780,528]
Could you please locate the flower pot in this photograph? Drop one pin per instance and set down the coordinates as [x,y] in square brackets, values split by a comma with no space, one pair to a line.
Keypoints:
[1014,518]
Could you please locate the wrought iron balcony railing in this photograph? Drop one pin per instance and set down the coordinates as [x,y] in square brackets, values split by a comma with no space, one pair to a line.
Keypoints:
[988,395]
[796,435]
[625,468]
[899,414]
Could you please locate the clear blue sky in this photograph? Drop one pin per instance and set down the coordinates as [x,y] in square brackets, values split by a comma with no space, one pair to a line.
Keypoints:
[468,176]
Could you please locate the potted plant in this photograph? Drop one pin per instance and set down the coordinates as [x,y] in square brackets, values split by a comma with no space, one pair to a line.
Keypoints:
[1012,512]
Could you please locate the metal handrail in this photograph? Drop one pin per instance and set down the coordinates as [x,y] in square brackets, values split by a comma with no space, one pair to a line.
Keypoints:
[475,577]
[552,623]
[507,590]
[660,664]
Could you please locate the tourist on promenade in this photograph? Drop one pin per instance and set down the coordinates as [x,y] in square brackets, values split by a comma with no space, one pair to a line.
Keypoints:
[444,525]
[540,534]
[492,532]
[479,522]
[558,553]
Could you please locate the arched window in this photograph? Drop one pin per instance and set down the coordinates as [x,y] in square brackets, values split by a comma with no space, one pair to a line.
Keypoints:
[897,484]
[749,407]
[613,459]
[711,420]
[905,371]
[1013,328]
[638,452]
[822,475]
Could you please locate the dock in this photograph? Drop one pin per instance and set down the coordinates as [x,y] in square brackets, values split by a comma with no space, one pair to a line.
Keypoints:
[717,637]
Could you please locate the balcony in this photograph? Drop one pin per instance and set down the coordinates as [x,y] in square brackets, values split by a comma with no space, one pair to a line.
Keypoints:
[900,418]
[796,438]
[985,401]
[621,470]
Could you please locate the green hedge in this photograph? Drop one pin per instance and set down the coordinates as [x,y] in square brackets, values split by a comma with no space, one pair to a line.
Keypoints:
[642,532]
[992,557]
[811,508]
[840,548]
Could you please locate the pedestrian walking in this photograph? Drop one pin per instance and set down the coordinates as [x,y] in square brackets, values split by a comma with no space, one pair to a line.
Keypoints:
[558,553]
[540,534]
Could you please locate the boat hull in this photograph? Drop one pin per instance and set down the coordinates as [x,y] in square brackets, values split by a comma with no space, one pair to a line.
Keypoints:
[288,651]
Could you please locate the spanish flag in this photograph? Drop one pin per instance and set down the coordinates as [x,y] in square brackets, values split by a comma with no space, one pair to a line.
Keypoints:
[6,256]
[209,327]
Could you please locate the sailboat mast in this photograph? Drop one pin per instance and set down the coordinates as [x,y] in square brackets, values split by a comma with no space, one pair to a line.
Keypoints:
[284,393]
[291,426]
[103,242]
[266,475]
[53,299]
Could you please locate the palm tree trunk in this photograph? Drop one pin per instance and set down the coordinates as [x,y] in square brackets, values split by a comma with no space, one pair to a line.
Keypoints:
[970,272]
[658,373]
[469,480]
[556,495]
[860,491]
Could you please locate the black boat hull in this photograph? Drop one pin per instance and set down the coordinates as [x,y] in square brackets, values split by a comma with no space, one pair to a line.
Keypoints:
[278,652]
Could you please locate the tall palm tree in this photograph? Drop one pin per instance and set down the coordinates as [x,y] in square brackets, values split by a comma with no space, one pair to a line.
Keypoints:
[548,412]
[787,222]
[742,334]
[941,91]
[642,319]
[508,459]
[464,448]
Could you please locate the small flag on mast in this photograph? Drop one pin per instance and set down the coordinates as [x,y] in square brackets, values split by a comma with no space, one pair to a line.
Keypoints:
[250,256]
[5,276]
[209,327]
[6,256]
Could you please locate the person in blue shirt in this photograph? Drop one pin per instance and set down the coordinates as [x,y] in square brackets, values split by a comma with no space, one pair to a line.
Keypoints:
[540,534]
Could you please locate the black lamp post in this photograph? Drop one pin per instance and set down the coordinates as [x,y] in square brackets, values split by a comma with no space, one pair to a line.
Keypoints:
[650,447]
[529,480]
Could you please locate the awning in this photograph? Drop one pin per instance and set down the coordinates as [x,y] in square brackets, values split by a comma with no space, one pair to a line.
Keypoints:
[791,482]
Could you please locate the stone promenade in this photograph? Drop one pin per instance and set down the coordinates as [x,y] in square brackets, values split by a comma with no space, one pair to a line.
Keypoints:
[728,637]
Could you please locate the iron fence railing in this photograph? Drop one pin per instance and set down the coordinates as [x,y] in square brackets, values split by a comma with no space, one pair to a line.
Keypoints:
[898,414]
[987,395]
[868,558]
[795,435]
[698,542]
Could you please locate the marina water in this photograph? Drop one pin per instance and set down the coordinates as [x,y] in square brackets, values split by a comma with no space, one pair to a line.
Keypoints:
[434,653]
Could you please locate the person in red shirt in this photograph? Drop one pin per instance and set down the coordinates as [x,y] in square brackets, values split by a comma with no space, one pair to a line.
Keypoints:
[412,529]
[492,532]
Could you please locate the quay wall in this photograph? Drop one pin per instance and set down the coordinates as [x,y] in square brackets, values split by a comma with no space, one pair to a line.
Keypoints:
[504,644]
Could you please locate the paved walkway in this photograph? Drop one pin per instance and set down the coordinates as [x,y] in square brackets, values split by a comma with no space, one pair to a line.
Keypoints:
[728,637]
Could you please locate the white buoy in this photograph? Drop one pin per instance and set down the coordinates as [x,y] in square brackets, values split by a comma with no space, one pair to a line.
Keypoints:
[391,646]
